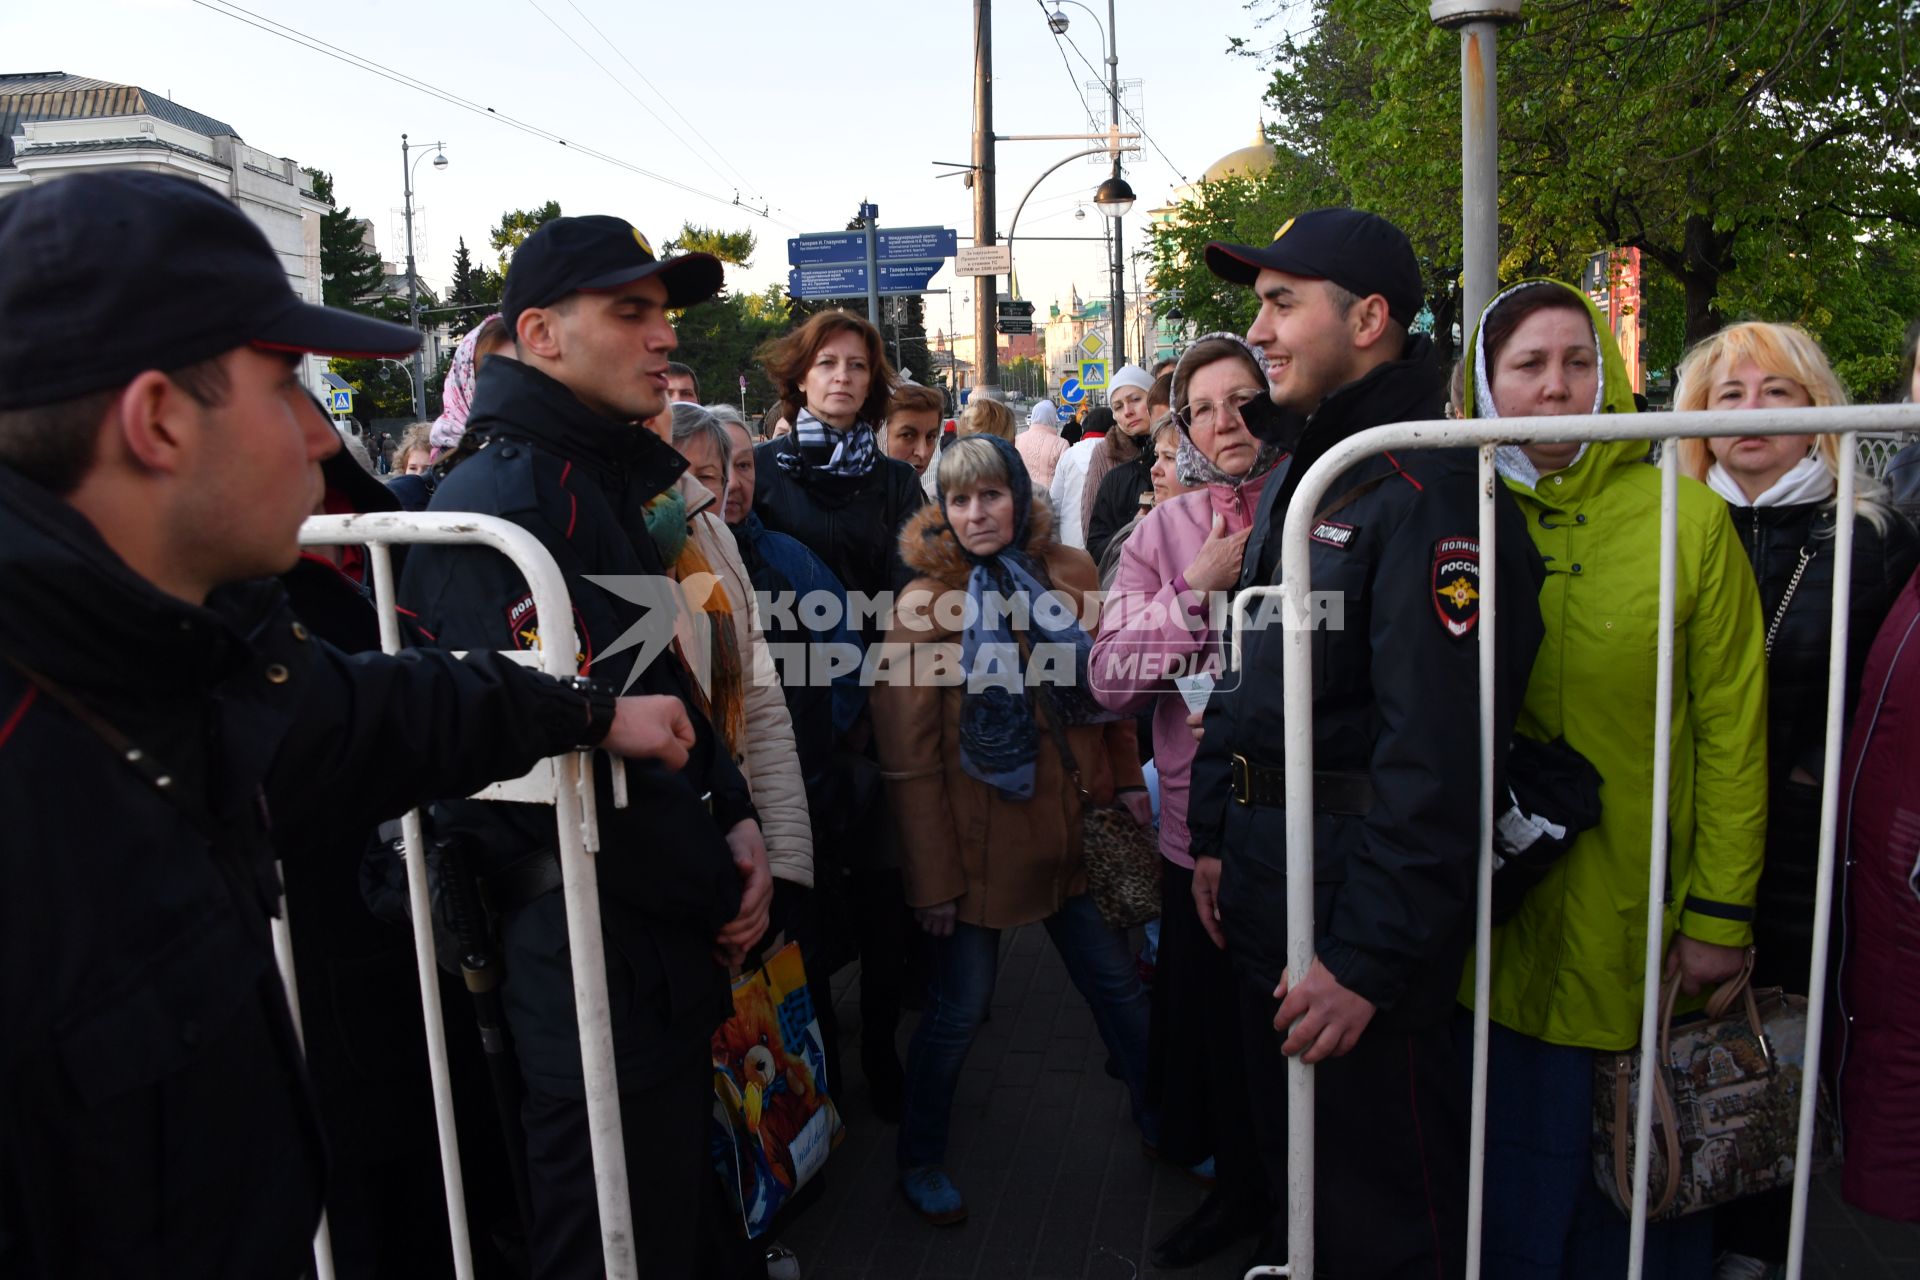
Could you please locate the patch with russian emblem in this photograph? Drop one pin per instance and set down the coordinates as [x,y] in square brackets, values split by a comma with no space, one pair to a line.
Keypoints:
[1456,584]
[523,624]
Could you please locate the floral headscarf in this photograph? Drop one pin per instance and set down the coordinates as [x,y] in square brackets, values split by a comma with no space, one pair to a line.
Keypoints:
[456,397]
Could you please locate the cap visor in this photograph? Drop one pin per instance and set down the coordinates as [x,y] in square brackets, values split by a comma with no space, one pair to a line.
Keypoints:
[689,278]
[328,331]
[1238,263]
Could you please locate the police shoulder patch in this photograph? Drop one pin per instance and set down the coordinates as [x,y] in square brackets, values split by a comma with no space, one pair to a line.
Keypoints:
[1332,533]
[523,623]
[1456,583]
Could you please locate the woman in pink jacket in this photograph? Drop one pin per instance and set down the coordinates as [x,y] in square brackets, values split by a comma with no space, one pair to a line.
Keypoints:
[1184,556]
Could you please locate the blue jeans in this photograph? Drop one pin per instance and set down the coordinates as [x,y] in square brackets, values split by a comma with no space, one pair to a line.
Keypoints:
[964,968]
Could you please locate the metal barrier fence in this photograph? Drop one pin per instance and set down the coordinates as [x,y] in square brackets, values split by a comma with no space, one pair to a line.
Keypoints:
[1297,674]
[565,782]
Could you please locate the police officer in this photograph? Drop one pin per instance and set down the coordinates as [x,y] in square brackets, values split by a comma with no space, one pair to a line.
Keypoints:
[1396,751]
[683,874]
[162,710]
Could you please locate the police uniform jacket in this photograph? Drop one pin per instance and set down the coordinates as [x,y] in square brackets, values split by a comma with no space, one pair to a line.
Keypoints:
[155,1118]
[580,483]
[1396,725]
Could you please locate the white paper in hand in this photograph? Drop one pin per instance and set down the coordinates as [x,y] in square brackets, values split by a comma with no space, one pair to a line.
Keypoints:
[1195,689]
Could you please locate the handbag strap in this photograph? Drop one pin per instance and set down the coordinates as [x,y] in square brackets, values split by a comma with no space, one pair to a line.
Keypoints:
[1067,758]
[1780,614]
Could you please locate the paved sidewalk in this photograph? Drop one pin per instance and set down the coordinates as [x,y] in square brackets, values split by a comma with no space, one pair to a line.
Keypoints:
[1050,1164]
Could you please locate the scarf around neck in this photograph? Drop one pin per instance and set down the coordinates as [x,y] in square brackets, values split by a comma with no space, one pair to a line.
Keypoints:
[829,450]
[456,397]
[999,733]
[1807,481]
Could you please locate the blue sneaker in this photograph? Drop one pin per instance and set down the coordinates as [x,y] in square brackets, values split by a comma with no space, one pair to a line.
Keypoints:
[932,1194]
[1202,1173]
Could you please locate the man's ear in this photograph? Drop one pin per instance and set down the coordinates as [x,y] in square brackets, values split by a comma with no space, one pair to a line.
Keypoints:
[153,422]
[538,333]
[1368,321]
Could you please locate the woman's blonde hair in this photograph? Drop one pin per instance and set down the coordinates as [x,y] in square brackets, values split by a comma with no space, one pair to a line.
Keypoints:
[416,438]
[968,463]
[1782,350]
[986,417]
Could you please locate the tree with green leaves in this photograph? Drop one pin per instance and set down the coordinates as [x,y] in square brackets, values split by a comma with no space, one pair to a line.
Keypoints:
[718,339]
[473,286]
[516,225]
[1752,150]
[350,272]
[732,247]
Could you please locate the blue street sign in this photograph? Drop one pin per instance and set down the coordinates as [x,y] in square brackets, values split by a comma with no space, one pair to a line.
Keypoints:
[849,279]
[907,244]
[1071,391]
[341,402]
[820,247]
[871,212]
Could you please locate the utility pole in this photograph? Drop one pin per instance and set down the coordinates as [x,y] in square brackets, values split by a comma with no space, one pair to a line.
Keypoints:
[1119,299]
[986,289]
[413,284]
[1479,23]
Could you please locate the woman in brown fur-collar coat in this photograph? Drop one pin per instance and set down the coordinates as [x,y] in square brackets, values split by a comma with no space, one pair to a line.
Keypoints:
[989,813]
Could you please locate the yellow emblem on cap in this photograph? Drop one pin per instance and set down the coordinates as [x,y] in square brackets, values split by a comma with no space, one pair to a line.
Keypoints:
[642,242]
[1288,226]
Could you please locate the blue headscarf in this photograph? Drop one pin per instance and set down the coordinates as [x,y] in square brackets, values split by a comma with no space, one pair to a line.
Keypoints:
[999,735]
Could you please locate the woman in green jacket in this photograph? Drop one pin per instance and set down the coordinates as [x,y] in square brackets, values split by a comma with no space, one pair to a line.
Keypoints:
[1567,965]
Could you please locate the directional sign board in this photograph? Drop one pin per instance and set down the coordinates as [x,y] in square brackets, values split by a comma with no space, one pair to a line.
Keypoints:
[849,279]
[1093,375]
[1072,392]
[912,244]
[340,401]
[827,246]
[1015,326]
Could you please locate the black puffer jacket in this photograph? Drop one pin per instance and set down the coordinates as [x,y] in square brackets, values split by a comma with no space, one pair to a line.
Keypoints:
[1118,502]
[1775,539]
[1396,708]
[851,522]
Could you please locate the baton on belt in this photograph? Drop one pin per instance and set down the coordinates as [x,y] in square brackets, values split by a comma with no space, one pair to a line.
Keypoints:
[481,969]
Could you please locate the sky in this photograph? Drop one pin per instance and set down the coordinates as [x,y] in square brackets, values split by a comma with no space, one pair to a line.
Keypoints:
[803,110]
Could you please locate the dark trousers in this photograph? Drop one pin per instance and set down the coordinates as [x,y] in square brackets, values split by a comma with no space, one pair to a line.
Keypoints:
[1196,1058]
[682,1228]
[1390,1149]
[890,959]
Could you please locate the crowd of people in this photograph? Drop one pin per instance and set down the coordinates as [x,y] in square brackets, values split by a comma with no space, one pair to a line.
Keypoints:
[194,713]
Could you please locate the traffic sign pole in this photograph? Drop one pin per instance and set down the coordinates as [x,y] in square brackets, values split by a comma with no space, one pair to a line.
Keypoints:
[870,214]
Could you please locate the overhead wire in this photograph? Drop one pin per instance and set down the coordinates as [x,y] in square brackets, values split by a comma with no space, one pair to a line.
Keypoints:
[227,9]
[744,180]
[1125,110]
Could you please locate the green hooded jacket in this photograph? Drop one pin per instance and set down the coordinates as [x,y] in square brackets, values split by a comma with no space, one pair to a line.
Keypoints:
[1568,965]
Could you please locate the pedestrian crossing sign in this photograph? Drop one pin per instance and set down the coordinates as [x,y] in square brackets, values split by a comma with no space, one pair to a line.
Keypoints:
[1093,374]
[340,401]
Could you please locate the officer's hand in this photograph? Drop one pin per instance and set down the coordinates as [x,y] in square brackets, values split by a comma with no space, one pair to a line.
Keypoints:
[756,893]
[938,921]
[1206,898]
[1330,1017]
[1702,964]
[654,727]
[1196,721]
[1217,566]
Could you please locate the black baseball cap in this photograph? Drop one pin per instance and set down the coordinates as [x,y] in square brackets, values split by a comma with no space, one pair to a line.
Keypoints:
[104,276]
[595,253]
[1361,252]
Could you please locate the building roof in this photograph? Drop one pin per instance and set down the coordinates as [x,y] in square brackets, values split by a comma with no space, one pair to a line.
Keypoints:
[1255,157]
[54,95]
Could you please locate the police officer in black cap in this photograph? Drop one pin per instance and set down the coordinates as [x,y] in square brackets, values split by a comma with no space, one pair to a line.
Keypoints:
[1396,755]
[684,883]
[162,712]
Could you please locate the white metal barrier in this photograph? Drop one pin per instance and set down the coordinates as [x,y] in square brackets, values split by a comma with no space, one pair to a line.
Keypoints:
[1297,674]
[566,782]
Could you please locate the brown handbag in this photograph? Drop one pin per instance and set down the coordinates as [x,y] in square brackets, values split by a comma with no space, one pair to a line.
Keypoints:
[1122,857]
[1726,1102]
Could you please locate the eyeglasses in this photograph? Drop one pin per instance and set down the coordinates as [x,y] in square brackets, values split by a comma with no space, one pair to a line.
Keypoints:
[1206,413]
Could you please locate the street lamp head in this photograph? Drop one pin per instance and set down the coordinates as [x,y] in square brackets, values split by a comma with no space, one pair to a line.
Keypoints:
[440,160]
[1080,213]
[1057,21]
[1115,198]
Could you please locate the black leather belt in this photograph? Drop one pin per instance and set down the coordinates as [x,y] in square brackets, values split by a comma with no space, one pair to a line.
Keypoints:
[513,887]
[1259,784]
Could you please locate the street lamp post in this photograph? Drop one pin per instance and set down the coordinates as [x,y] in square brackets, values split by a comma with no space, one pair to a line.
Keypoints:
[1114,197]
[413,280]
